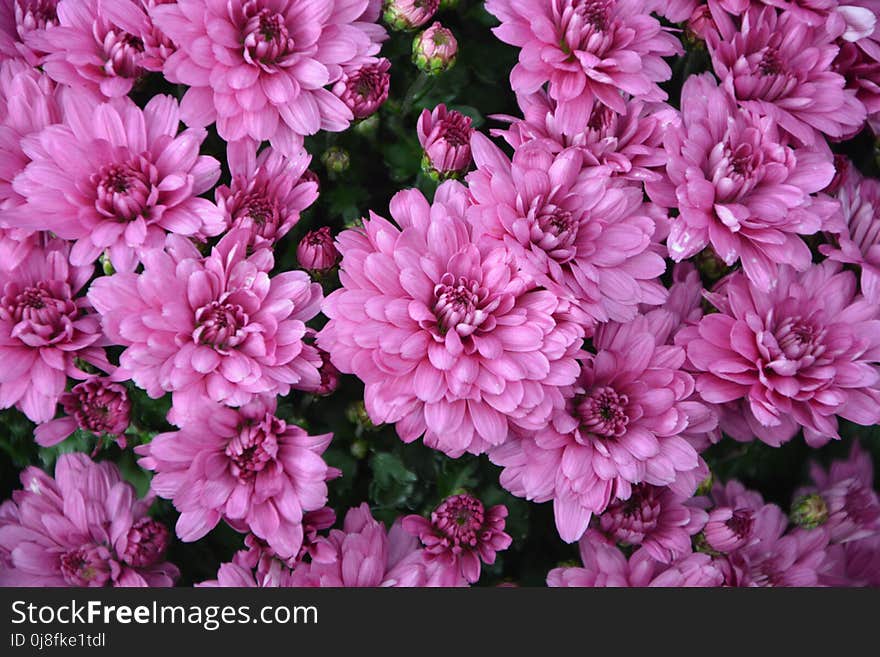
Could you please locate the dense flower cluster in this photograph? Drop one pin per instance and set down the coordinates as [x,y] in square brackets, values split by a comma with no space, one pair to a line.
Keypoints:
[596,308]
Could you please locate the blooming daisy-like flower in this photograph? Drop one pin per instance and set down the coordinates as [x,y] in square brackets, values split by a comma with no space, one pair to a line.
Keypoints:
[739,186]
[85,527]
[114,177]
[461,533]
[44,329]
[587,50]
[259,68]
[776,65]
[622,425]
[573,231]
[98,405]
[216,326]
[245,466]
[449,339]
[796,356]
[267,193]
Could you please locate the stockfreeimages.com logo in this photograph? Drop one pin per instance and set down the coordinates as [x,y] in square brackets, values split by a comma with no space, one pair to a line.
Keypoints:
[209,617]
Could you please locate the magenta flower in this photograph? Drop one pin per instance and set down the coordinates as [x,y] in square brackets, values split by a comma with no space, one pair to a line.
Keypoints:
[658,519]
[97,405]
[85,527]
[133,16]
[629,144]
[604,565]
[408,14]
[587,50]
[450,341]
[259,68]
[572,230]
[245,466]
[44,329]
[435,49]
[18,19]
[853,564]
[445,136]
[316,251]
[461,533]
[859,241]
[365,88]
[116,177]
[214,327]
[795,356]
[778,66]
[268,191]
[739,186]
[728,529]
[622,425]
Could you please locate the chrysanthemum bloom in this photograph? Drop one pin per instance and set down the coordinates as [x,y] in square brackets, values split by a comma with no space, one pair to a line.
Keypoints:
[316,251]
[260,67]
[116,177]
[85,527]
[133,16]
[267,193]
[44,329]
[408,14]
[434,50]
[215,326]
[656,518]
[853,564]
[604,565]
[729,529]
[449,339]
[859,241]
[778,66]
[98,405]
[621,426]
[573,231]
[363,89]
[367,555]
[586,49]
[795,356]
[739,186]
[629,145]
[445,136]
[461,533]
[88,49]
[18,18]
[851,505]
[243,465]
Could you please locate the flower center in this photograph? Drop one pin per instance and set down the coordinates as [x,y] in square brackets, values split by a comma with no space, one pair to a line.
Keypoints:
[266,40]
[146,544]
[456,129]
[771,63]
[629,521]
[220,325]
[254,448]
[588,26]
[800,340]
[124,191]
[35,15]
[123,53]
[603,412]
[97,407]
[43,313]
[86,566]
[740,523]
[600,118]
[458,305]
[460,519]
[594,12]
[554,231]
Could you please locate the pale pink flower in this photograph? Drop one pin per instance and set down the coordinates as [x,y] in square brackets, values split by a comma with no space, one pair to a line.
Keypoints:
[450,341]
[114,177]
[259,68]
[85,528]
[214,327]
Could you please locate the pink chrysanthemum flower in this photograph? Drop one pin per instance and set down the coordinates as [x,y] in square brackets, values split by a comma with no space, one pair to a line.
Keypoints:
[44,329]
[245,466]
[573,231]
[364,88]
[260,67]
[114,177]
[19,18]
[588,50]
[267,193]
[728,529]
[853,564]
[461,533]
[739,186]
[133,16]
[604,565]
[316,251]
[850,504]
[629,144]
[622,425]
[85,527]
[367,555]
[859,241]
[98,405]
[445,137]
[778,66]
[449,339]
[657,518]
[216,326]
[796,356]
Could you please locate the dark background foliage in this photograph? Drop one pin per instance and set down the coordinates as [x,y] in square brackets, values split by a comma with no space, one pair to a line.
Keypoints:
[395,478]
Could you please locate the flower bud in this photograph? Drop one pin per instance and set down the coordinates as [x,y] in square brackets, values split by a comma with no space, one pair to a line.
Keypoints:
[365,88]
[316,251]
[809,511]
[356,413]
[434,50]
[336,159]
[445,137]
[408,14]
[728,529]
